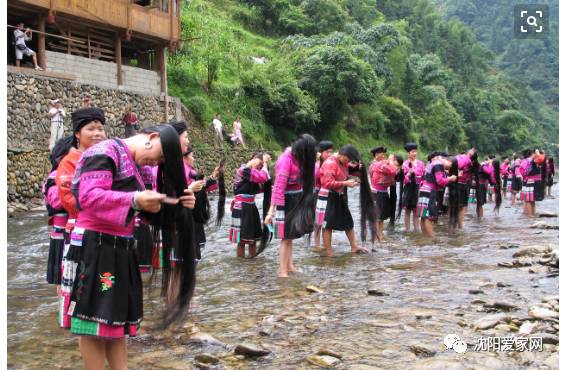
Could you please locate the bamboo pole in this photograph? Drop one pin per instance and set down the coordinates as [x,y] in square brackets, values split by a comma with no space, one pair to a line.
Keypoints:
[53,35]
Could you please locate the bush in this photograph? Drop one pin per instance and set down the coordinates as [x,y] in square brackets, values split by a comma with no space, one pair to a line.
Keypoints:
[198,105]
[399,116]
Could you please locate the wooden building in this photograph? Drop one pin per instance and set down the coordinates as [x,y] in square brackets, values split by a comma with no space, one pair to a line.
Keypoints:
[113,43]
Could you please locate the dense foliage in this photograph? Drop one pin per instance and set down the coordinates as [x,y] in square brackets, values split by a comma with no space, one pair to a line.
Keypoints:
[365,71]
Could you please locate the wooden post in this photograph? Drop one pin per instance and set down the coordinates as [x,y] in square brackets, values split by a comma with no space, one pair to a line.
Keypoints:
[163,78]
[41,57]
[118,59]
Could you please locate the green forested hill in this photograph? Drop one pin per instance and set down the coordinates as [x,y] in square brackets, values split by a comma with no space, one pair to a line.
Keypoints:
[360,71]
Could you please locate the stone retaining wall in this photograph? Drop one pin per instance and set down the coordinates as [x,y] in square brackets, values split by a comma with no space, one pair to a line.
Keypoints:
[29,99]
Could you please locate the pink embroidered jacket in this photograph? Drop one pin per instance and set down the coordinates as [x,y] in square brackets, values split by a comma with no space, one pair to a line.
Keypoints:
[104,185]
[287,177]
[435,177]
[382,174]
[464,164]
[418,169]
[332,174]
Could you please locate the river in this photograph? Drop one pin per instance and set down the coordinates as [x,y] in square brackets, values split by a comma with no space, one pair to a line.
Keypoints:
[423,293]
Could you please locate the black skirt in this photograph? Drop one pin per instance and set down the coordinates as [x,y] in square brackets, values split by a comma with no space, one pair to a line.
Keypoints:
[463,195]
[410,196]
[549,181]
[246,224]
[382,205]
[108,286]
[482,194]
[54,262]
[145,245]
[516,184]
[505,183]
[337,213]
[281,230]
[539,190]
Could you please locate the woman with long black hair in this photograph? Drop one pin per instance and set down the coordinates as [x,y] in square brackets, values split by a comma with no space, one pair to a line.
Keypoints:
[532,188]
[550,168]
[88,126]
[324,151]
[435,178]
[413,170]
[246,222]
[382,173]
[332,208]
[292,203]
[201,186]
[459,191]
[106,300]
[58,216]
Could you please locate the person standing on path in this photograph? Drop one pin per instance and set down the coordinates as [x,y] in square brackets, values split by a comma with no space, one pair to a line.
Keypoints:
[130,121]
[217,125]
[56,114]
[236,136]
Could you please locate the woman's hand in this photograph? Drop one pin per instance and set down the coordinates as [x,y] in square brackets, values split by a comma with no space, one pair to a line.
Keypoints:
[215,173]
[149,200]
[452,178]
[351,183]
[197,185]
[188,200]
[268,219]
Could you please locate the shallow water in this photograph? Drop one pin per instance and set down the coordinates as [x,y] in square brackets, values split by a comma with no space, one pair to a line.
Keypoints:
[426,283]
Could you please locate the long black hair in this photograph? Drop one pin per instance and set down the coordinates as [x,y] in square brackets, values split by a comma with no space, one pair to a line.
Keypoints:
[453,196]
[176,225]
[551,165]
[368,215]
[221,194]
[300,220]
[60,150]
[497,184]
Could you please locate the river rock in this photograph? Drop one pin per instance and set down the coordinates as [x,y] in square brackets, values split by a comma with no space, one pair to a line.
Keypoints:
[547,214]
[202,365]
[364,367]
[206,358]
[206,339]
[544,226]
[314,289]
[552,361]
[250,350]
[542,313]
[377,293]
[501,306]
[532,250]
[488,322]
[548,338]
[421,351]
[328,352]
[323,361]
[527,328]
[476,291]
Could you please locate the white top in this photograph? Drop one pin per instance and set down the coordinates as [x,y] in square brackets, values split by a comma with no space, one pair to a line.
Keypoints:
[20,36]
[217,125]
[56,115]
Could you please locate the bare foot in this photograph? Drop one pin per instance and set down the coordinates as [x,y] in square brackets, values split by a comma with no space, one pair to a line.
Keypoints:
[283,275]
[317,249]
[359,250]
[292,269]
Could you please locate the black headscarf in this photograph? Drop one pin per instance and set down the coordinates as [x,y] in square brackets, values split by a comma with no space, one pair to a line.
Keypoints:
[83,116]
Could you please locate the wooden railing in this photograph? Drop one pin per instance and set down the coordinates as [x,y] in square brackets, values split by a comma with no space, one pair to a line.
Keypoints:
[122,14]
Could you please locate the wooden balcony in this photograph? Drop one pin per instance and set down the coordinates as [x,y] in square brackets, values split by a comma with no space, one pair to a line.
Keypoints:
[150,21]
